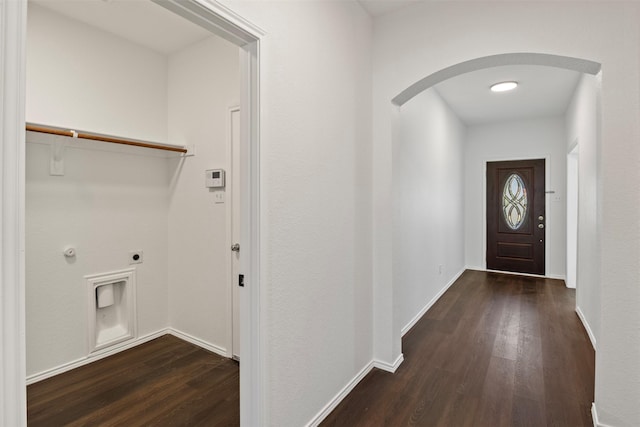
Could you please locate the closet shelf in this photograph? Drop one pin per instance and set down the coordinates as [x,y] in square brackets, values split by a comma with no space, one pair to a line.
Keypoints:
[32,127]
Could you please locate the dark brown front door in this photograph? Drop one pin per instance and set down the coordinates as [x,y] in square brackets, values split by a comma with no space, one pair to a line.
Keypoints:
[516,216]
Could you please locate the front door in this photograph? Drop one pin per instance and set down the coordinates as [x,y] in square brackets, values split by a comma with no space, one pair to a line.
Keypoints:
[516,216]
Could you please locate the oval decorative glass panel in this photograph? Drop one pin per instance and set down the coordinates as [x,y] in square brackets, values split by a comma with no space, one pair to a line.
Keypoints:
[514,201]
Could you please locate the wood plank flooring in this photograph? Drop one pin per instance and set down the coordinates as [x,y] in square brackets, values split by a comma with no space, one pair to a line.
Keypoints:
[495,350]
[165,382]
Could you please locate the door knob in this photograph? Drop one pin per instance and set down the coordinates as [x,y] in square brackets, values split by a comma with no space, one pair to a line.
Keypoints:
[541,218]
[540,225]
[235,247]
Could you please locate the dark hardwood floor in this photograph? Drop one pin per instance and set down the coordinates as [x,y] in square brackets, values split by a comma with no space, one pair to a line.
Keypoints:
[165,382]
[495,350]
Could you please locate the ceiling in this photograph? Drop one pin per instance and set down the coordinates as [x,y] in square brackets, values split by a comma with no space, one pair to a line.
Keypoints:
[382,7]
[542,92]
[141,22]
[151,26]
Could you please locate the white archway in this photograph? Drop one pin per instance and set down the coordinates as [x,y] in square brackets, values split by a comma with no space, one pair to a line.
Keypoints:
[519,58]
[388,346]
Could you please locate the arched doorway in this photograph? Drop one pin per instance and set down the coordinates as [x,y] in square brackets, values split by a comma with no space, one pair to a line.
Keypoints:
[386,301]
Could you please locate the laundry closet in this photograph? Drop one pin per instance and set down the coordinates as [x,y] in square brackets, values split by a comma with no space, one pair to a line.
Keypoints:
[125,243]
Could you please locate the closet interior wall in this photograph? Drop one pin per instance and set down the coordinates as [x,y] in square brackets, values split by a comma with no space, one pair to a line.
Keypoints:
[202,88]
[111,199]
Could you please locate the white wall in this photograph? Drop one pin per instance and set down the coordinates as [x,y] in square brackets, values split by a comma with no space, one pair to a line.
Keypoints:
[106,204]
[582,126]
[203,84]
[428,226]
[103,83]
[408,46]
[315,192]
[315,200]
[110,201]
[515,140]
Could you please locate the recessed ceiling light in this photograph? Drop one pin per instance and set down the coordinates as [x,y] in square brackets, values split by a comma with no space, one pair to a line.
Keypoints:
[503,86]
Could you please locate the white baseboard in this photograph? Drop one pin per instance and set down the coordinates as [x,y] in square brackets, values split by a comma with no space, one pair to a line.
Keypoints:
[333,403]
[197,341]
[544,276]
[587,328]
[31,379]
[389,367]
[34,378]
[422,312]
[594,416]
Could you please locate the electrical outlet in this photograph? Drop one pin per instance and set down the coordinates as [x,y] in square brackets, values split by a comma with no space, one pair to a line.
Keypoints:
[135,257]
[218,197]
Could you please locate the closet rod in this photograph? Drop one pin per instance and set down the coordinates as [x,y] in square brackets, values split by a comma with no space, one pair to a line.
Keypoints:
[102,138]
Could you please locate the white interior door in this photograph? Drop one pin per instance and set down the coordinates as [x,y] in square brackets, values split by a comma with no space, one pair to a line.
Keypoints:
[235,229]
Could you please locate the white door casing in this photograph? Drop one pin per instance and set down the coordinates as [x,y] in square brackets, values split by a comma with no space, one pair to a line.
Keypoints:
[227,24]
[235,187]
[13,26]
[572,217]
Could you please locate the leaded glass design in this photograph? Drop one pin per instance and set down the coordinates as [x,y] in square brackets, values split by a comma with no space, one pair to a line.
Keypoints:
[514,201]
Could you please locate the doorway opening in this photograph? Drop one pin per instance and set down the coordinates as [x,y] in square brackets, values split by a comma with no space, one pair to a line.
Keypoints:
[437,136]
[243,35]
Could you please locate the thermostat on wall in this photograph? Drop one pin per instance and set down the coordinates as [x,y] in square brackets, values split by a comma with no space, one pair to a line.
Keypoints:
[214,178]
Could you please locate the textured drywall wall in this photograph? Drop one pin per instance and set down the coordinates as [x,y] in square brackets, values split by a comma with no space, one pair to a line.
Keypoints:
[516,140]
[109,201]
[83,78]
[106,204]
[422,39]
[428,226]
[315,174]
[204,81]
[581,128]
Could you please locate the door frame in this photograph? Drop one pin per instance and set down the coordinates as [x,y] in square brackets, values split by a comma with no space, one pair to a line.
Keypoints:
[499,231]
[549,223]
[13,390]
[232,194]
[573,213]
[221,21]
